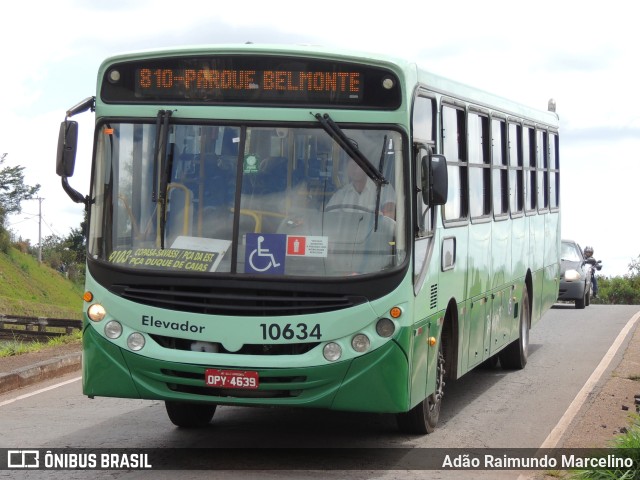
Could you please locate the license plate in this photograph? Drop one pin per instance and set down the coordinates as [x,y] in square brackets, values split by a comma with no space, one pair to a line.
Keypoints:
[231,379]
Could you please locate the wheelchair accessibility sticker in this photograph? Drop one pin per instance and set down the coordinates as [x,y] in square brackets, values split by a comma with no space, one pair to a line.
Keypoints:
[265,253]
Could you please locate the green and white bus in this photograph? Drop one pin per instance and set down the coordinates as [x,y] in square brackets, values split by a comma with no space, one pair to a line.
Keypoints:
[299,227]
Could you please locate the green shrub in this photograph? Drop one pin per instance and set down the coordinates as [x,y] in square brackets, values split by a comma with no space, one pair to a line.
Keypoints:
[5,241]
[619,290]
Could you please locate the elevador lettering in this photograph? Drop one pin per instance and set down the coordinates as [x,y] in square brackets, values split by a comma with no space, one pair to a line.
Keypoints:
[149,321]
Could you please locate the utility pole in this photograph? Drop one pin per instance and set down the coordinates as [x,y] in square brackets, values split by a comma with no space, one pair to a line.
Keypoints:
[40,229]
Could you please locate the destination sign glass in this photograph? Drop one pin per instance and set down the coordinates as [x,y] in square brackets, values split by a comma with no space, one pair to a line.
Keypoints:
[251,79]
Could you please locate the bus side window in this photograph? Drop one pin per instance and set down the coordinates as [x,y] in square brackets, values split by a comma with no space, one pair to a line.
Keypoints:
[454,149]
[529,163]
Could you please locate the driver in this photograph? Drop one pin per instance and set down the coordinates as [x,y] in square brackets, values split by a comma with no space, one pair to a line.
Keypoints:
[361,191]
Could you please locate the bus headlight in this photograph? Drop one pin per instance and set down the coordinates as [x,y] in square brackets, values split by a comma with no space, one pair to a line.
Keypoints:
[385,327]
[571,275]
[135,341]
[360,343]
[96,312]
[332,351]
[113,329]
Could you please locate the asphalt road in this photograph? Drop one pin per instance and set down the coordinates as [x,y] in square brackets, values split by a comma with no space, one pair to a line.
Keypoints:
[487,408]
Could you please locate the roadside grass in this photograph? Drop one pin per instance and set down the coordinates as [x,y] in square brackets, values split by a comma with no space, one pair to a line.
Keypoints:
[32,289]
[18,346]
[626,445]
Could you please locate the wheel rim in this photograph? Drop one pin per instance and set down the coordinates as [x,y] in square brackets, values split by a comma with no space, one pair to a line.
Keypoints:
[435,399]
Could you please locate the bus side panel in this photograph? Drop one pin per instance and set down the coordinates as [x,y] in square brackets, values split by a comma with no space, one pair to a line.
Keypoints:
[503,278]
[480,275]
[536,262]
[479,261]
[502,321]
[453,284]
[551,260]
[500,253]
[419,362]
[454,246]
[479,325]
[519,247]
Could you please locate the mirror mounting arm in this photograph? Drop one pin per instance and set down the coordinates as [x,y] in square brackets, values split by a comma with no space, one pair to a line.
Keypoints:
[76,196]
[88,103]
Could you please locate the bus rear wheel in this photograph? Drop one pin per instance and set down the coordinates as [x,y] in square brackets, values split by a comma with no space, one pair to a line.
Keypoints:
[189,415]
[515,355]
[424,417]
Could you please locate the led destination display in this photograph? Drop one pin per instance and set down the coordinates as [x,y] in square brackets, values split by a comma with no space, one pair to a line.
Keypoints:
[251,79]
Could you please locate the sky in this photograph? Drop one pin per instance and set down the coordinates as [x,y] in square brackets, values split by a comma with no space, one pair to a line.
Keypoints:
[583,54]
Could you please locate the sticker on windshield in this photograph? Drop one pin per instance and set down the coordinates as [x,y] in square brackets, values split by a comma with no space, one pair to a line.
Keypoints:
[250,164]
[265,253]
[307,246]
[191,254]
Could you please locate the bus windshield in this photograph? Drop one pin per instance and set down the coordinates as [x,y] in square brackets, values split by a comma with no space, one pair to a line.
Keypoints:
[242,199]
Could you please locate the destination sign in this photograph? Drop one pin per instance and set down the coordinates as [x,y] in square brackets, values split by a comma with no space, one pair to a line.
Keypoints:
[250,79]
[203,82]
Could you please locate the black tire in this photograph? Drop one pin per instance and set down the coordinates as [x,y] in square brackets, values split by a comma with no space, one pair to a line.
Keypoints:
[189,415]
[514,356]
[581,302]
[424,417]
[587,299]
[490,363]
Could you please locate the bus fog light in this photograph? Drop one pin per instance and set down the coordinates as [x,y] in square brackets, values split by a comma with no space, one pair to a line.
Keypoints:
[360,343]
[96,312]
[332,351]
[135,341]
[385,327]
[113,329]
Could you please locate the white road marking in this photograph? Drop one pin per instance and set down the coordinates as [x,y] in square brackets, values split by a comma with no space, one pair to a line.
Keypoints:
[42,390]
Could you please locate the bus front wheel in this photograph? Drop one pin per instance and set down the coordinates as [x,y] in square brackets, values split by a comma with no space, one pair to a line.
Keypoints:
[424,417]
[189,415]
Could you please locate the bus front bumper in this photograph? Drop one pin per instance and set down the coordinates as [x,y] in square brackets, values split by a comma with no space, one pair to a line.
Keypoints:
[374,382]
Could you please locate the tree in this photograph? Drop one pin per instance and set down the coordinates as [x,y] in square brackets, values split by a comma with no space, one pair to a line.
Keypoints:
[13,189]
[634,267]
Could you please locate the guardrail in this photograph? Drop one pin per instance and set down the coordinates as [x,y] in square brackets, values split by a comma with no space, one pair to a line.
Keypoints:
[12,326]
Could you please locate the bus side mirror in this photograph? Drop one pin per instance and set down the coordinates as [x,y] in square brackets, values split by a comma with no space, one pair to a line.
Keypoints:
[435,184]
[67,145]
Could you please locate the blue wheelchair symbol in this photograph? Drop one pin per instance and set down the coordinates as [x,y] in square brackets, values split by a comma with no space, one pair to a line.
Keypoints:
[265,253]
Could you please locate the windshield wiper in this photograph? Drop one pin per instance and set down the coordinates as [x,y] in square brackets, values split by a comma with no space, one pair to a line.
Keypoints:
[159,195]
[363,162]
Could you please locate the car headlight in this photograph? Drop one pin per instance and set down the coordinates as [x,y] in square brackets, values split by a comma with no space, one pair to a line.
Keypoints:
[572,275]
